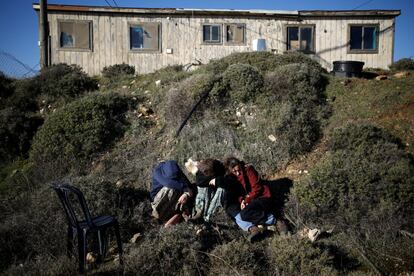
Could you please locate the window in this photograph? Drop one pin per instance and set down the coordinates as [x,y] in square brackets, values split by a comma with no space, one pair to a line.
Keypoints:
[212,34]
[363,38]
[235,34]
[300,38]
[75,35]
[144,37]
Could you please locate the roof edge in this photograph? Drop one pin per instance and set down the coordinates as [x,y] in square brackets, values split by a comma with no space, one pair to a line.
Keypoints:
[185,11]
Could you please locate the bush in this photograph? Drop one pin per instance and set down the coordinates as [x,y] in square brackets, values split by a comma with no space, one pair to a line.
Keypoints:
[24,94]
[6,86]
[239,257]
[16,132]
[33,225]
[173,250]
[263,61]
[244,82]
[363,187]
[296,256]
[80,129]
[403,64]
[62,81]
[117,70]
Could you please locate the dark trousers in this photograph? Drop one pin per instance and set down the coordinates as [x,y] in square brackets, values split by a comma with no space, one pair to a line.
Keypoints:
[256,211]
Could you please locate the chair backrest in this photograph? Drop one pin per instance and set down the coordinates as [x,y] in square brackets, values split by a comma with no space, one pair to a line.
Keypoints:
[63,191]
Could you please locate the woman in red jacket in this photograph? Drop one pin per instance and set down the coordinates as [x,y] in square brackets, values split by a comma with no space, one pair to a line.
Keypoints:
[248,200]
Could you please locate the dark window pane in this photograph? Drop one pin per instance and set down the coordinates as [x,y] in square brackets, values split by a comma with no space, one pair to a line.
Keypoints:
[370,38]
[215,33]
[306,39]
[293,38]
[137,37]
[356,37]
[206,33]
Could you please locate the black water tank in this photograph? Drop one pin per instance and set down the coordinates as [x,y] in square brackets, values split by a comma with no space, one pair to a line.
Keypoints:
[348,68]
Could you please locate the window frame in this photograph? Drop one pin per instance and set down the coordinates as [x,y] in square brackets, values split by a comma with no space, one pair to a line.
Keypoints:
[144,50]
[363,51]
[226,42]
[206,42]
[299,26]
[75,49]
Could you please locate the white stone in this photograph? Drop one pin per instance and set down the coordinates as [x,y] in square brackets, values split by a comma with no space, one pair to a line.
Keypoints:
[314,234]
[135,238]
[158,83]
[272,138]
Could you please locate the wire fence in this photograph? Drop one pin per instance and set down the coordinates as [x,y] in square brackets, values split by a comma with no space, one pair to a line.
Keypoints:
[14,68]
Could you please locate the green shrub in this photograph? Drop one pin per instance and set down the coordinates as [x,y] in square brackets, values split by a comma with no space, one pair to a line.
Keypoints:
[45,265]
[172,251]
[6,86]
[24,94]
[16,132]
[263,61]
[80,129]
[403,64]
[62,81]
[296,256]
[33,225]
[239,257]
[243,81]
[363,187]
[117,70]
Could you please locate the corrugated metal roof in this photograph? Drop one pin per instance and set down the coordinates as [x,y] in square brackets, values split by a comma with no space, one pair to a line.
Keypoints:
[218,12]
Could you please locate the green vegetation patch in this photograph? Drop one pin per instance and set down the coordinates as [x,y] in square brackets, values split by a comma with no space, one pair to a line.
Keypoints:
[80,129]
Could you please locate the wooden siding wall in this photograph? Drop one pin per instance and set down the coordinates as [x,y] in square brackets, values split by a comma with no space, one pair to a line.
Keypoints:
[183,35]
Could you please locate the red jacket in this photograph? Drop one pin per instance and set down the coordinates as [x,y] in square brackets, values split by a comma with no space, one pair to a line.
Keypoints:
[257,188]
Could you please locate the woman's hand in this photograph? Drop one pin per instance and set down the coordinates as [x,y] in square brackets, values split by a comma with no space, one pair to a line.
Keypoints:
[243,205]
[183,198]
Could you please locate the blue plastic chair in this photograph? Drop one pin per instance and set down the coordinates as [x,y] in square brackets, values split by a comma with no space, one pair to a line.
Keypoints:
[81,228]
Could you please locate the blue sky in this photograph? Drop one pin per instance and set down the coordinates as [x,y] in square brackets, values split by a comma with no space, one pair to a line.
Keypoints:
[19,23]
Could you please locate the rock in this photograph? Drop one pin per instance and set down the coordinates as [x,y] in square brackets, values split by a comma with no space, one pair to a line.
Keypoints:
[238,114]
[272,138]
[314,234]
[91,257]
[135,238]
[144,110]
[119,184]
[42,110]
[147,92]
[158,83]
[401,75]
[381,77]
[124,87]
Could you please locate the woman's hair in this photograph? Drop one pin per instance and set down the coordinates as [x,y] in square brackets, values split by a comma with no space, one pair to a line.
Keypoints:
[211,167]
[230,162]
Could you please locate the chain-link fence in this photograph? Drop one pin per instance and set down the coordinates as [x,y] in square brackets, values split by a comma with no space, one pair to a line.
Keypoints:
[14,68]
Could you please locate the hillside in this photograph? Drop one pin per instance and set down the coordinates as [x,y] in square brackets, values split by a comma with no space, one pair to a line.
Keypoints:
[346,144]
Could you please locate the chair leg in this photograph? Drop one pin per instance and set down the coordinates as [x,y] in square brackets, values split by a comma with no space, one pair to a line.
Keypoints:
[102,244]
[82,251]
[119,243]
